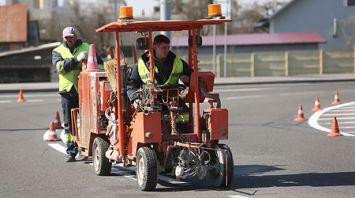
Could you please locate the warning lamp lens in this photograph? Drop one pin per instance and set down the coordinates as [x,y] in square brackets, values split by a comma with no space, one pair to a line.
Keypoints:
[214,10]
[126,12]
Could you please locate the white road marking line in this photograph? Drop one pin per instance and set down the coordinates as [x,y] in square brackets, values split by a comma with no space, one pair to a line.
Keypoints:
[350,107]
[344,110]
[298,93]
[341,122]
[35,100]
[313,120]
[237,196]
[243,97]
[346,127]
[62,149]
[340,118]
[239,90]
[30,95]
[58,147]
[338,114]
[5,101]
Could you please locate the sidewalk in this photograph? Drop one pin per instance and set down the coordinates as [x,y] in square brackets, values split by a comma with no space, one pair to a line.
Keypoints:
[53,86]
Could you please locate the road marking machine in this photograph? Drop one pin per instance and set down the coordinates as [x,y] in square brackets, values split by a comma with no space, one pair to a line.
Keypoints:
[107,128]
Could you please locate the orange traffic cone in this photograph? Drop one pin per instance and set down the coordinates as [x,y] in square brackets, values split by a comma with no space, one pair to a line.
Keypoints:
[336,100]
[20,97]
[317,105]
[92,61]
[300,116]
[335,129]
[57,123]
[52,135]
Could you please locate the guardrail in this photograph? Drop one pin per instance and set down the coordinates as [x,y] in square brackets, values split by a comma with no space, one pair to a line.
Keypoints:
[288,63]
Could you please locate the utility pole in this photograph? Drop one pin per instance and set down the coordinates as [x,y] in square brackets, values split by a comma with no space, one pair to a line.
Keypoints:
[165,13]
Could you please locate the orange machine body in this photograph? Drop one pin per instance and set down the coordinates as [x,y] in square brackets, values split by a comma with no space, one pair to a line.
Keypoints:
[90,104]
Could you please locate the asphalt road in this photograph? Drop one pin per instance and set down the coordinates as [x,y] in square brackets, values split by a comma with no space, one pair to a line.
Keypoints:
[274,156]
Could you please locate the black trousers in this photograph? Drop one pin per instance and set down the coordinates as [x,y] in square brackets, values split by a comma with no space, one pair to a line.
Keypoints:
[69,100]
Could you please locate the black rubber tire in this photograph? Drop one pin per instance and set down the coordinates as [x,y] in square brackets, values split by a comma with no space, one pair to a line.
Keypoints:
[223,176]
[102,165]
[147,169]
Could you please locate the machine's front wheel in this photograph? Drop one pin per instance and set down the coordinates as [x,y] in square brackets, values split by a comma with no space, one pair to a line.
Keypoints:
[223,170]
[147,168]
[102,165]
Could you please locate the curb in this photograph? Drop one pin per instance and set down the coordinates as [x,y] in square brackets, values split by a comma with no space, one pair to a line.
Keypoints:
[217,83]
[284,81]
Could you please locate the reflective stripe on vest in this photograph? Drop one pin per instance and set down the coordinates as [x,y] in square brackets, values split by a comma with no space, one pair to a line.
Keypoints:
[173,78]
[68,79]
[68,137]
[182,118]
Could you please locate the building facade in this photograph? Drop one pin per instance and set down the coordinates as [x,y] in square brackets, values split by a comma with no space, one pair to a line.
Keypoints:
[333,19]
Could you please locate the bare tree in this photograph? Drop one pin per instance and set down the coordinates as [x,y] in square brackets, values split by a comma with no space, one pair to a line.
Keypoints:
[347,28]
[86,24]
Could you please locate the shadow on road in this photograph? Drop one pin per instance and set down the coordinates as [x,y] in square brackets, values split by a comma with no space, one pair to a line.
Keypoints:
[203,185]
[245,177]
[301,179]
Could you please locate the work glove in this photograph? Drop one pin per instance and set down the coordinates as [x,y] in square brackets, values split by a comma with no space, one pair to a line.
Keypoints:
[137,103]
[82,56]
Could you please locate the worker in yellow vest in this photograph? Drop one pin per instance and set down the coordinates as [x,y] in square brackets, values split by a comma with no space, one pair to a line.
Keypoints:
[67,59]
[169,68]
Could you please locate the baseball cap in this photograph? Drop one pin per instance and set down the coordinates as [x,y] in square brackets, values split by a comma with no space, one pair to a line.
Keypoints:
[68,31]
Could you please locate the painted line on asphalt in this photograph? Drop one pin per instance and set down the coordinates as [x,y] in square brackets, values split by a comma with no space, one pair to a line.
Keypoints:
[58,147]
[313,120]
[347,127]
[35,100]
[338,114]
[5,101]
[62,149]
[30,95]
[340,118]
[237,196]
[299,93]
[243,97]
[239,90]
[344,110]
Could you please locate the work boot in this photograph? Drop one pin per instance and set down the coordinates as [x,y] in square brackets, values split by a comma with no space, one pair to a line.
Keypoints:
[81,158]
[70,158]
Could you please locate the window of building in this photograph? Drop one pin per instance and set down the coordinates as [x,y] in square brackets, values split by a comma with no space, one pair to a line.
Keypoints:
[350,2]
[38,4]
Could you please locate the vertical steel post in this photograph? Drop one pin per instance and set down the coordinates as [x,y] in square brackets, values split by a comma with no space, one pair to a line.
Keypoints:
[118,112]
[151,58]
[165,13]
[197,88]
[191,66]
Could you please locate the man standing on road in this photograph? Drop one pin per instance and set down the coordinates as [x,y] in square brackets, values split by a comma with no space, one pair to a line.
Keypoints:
[67,58]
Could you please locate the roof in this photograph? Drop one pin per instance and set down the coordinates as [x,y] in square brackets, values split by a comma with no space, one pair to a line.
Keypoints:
[13,23]
[282,9]
[30,49]
[257,39]
[170,25]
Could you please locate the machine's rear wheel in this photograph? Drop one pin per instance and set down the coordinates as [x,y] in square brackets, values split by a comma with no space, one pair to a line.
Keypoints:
[147,168]
[102,165]
[223,168]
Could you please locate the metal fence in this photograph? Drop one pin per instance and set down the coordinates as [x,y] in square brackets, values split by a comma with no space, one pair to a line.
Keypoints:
[289,63]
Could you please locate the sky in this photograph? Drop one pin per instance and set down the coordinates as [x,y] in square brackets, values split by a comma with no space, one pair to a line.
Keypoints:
[148,5]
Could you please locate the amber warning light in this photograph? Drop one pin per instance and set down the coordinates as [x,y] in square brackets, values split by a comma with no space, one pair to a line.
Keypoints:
[214,10]
[126,12]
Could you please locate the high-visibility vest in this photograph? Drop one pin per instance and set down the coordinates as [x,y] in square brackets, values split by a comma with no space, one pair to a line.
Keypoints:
[174,75]
[68,79]
[172,80]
